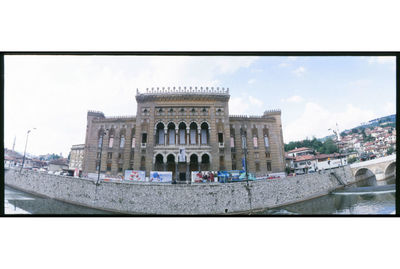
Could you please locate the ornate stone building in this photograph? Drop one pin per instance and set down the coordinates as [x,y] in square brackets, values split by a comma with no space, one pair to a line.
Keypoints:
[195,119]
[76,157]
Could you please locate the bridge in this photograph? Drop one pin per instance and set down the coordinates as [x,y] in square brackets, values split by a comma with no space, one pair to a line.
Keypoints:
[381,168]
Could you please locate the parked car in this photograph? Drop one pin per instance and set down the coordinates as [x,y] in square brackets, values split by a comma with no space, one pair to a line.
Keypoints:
[50,172]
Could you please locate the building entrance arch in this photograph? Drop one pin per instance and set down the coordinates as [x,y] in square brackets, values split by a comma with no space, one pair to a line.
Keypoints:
[205,162]
[159,163]
[171,164]
[194,163]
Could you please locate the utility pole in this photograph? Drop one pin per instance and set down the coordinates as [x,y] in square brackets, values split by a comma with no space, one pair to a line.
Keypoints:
[15,137]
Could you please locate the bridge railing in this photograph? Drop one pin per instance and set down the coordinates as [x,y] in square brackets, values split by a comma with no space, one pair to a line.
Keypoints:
[374,161]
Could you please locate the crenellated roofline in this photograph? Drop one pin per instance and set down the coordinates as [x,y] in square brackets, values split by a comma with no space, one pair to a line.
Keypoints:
[182,93]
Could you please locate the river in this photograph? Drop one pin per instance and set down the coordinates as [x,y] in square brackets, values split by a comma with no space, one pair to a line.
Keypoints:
[346,202]
[18,202]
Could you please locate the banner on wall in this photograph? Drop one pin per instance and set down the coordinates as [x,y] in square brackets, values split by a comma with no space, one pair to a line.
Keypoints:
[157,176]
[76,172]
[133,175]
[182,155]
[204,176]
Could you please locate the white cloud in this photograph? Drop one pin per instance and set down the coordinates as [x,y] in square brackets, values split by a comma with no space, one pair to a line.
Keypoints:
[382,59]
[390,108]
[53,93]
[360,83]
[226,65]
[293,99]
[255,101]
[238,106]
[299,71]
[287,61]
[245,105]
[256,70]
[389,60]
[251,81]
[316,120]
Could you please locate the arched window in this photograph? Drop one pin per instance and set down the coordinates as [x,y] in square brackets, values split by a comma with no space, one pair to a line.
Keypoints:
[266,135]
[192,132]
[159,163]
[160,134]
[205,162]
[111,139]
[171,133]
[122,141]
[255,141]
[255,137]
[182,133]
[232,142]
[100,141]
[204,133]
[266,141]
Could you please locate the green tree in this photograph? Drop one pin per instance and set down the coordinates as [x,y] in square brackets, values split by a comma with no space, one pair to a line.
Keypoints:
[390,151]
[352,160]
[330,146]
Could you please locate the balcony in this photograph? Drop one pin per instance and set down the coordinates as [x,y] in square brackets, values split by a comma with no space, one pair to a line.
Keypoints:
[221,144]
[143,145]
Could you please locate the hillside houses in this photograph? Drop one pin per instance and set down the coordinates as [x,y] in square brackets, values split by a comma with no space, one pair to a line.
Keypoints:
[377,141]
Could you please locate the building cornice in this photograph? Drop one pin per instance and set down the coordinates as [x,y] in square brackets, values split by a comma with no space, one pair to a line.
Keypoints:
[183,94]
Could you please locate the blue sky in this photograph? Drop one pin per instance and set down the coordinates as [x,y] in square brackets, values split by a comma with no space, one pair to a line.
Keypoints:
[53,93]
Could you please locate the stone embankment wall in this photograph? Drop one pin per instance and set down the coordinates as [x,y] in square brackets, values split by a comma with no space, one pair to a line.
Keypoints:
[156,198]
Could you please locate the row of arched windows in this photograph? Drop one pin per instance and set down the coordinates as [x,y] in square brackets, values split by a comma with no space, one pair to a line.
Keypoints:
[170,135]
[254,134]
[111,136]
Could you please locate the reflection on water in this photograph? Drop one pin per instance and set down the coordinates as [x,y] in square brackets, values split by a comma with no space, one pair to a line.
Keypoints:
[18,202]
[376,203]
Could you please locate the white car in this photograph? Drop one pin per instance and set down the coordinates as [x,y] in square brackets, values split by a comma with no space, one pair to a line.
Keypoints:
[58,173]
[50,172]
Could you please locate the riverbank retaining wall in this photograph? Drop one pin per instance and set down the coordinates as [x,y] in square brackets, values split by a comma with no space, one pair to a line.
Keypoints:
[177,199]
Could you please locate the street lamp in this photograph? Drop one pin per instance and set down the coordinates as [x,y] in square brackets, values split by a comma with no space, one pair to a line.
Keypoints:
[101,151]
[26,144]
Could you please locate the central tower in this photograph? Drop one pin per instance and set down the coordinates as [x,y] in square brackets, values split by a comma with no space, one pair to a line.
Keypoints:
[182,129]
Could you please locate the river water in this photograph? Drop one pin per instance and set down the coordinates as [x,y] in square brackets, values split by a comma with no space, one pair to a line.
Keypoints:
[18,202]
[346,202]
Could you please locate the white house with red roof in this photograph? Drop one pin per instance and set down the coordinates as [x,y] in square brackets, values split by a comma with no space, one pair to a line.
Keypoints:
[300,152]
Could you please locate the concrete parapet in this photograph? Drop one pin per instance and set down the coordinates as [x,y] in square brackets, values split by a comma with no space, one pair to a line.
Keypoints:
[180,199]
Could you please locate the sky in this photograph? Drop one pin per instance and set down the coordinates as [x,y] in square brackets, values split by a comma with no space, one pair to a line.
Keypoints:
[54,93]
